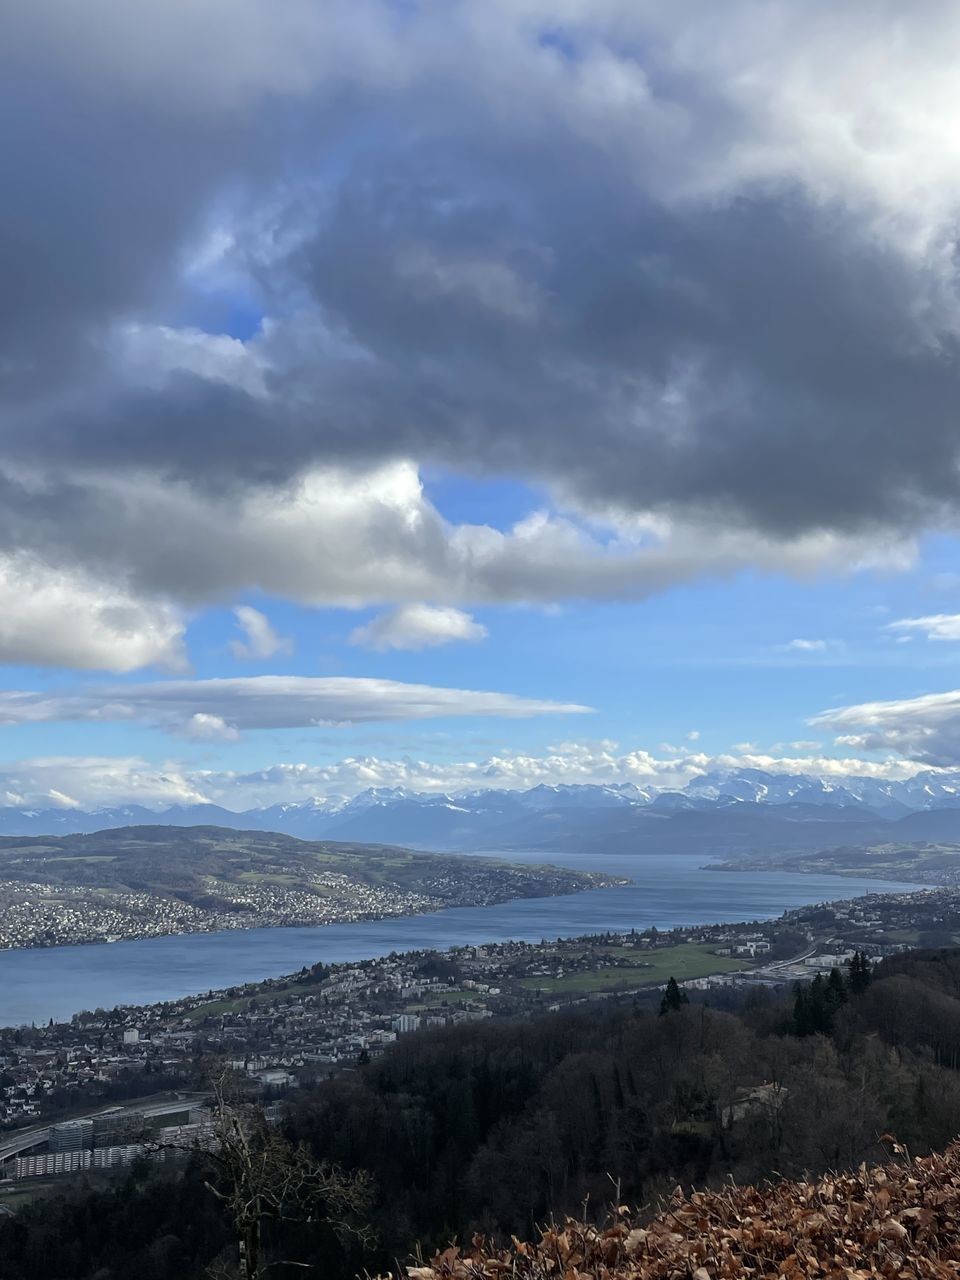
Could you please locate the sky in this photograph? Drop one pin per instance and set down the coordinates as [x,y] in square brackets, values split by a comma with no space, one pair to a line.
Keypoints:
[452,395]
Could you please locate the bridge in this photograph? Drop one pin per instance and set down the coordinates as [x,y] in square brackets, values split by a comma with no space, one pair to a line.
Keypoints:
[21,1143]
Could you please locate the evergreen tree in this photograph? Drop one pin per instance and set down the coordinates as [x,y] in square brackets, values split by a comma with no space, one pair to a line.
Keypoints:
[835,995]
[815,1004]
[860,973]
[802,1013]
[673,998]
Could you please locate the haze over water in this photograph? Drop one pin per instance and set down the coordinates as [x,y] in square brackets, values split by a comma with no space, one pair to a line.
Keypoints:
[667,891]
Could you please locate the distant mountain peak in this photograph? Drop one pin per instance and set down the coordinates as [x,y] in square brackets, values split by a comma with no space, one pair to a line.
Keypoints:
[560,815]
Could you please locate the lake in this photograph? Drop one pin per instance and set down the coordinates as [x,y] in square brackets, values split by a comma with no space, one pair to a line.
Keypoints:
[667,891]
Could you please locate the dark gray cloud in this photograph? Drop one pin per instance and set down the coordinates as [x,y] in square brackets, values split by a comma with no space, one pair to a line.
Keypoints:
[658,266]
[100,192]
[761,358]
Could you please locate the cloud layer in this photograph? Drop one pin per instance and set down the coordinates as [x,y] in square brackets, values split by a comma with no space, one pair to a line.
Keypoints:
[222,708]
[690,271]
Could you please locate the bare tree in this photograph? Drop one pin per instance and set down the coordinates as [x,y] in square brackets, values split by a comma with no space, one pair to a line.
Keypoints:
[258,1175]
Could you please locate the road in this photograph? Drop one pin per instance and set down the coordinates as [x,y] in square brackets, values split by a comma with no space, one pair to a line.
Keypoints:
[804,955]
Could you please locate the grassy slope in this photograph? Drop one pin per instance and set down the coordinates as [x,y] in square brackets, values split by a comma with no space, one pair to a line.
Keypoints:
[165,860]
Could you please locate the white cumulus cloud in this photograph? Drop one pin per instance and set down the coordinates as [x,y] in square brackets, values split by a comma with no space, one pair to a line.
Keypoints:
[260,639]
[207,728]
[418,626]
[51,617]
[372,536]
[936,626]
[95,781]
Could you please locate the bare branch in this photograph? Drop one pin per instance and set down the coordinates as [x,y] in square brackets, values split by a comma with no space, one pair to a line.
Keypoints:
[260,1176]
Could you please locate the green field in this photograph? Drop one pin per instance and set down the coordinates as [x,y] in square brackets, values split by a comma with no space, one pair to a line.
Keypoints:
[239,1004]
[268,877]
[90,857]
[688,960]
[216,1008]
[442,997]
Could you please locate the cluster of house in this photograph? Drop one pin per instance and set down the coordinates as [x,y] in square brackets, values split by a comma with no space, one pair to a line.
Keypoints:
[51,915]
[48,915]
[276,1032]
[282,1030]
[876,915]
[47,1070]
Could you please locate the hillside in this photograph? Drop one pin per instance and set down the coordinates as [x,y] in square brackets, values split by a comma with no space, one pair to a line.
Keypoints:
[495,1127]
[920,862]
[898,1219]
[150,880]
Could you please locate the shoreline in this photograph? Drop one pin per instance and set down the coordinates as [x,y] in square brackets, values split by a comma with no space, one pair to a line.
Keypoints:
[606,881]
[665,892]
[882,874]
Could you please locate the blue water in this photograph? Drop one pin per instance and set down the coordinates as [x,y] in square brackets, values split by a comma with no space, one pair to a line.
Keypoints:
[667,890]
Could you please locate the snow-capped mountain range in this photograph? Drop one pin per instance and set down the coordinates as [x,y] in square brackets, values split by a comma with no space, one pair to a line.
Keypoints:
[721,810]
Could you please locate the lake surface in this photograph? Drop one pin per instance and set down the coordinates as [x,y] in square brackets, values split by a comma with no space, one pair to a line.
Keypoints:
[667,891]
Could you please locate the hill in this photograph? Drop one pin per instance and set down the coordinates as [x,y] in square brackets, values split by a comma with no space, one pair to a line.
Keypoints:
[149,880]
[494,1127]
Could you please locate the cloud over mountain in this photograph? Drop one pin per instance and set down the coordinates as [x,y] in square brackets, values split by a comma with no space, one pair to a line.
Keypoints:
[96,781]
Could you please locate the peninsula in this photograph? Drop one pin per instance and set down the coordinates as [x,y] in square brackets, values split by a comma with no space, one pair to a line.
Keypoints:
[137,882]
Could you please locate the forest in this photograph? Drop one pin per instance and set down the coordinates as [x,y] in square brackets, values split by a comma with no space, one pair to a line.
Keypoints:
[501,1126]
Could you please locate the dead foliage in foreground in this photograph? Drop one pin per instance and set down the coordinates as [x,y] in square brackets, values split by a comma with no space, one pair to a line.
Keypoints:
[895,1220]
